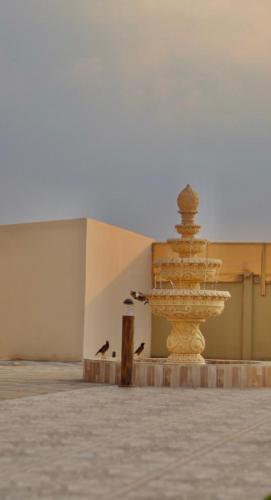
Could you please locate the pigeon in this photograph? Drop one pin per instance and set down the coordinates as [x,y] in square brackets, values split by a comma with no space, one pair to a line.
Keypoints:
[140,349]
[139,296]
[103,349]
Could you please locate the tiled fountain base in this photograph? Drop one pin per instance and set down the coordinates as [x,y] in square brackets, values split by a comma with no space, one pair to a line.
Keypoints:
[157,372]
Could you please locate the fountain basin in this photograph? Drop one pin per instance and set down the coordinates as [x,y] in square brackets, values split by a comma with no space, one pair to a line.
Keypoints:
[185,309]
[187,270]
[188,247]
[187,304]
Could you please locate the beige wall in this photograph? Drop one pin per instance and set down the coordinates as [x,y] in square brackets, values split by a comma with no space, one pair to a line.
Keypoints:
[243,331]
[63,279]
[42,279]
[117,261]
[62,285]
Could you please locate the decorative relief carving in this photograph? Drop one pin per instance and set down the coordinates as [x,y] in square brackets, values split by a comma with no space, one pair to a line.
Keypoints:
[185,338]
[189,261]
[179,312]
[194,294]
[184,247]
[186,358]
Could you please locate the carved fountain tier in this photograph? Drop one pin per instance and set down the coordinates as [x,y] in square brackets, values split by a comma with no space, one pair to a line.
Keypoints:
[181,300]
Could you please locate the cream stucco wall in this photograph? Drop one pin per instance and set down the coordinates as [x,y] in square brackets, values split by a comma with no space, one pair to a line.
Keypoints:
[42,279]
[117,261]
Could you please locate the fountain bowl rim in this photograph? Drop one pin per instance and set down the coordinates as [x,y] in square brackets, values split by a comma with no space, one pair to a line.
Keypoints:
[187,260]
[188,292]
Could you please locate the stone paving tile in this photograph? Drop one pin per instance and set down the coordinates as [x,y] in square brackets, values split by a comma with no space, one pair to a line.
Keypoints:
[103,442]
[234,470]
[26,378]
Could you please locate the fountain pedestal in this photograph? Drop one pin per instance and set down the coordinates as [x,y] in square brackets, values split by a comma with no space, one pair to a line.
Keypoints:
[185,342]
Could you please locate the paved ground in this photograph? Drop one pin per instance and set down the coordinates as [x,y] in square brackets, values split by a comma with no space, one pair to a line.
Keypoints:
[63,439]
[25,378]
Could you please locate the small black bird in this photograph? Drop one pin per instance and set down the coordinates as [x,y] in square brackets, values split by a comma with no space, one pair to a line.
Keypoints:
[139,296]
[103,349]
[140,349]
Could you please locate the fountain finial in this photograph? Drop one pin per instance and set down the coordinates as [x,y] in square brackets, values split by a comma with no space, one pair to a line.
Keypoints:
[188,200]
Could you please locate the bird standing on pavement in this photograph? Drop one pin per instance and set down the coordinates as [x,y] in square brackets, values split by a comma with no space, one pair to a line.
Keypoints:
[139,296]
[140,349]
[103,349]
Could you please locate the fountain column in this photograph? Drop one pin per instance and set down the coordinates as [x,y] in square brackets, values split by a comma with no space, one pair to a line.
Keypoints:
[185,342]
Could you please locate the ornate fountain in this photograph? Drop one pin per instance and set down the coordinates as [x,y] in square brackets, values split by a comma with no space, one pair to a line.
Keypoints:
[178,296]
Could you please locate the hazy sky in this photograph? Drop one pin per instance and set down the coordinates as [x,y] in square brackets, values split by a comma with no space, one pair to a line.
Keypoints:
[109,107]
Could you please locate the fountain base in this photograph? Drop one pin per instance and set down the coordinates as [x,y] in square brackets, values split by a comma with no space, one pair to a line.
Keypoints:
[186,359]
[163,372]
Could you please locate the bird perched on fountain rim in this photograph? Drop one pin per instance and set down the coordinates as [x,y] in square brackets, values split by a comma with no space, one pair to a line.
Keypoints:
[140,349]
[139,296]
[103,349]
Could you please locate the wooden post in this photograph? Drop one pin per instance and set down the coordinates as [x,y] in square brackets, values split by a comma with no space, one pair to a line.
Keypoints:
[127,349]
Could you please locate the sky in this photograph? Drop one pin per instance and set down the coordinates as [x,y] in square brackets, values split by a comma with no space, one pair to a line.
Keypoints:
[108,108]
